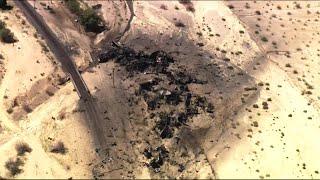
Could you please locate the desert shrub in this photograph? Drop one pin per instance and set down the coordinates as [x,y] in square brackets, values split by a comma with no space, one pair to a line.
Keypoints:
[91,21]
[5,34]
[27,108]
[191,8]
[164,7]
[258,13]
[59,148]
[4,5]
[44,47]
[49,92]
[2,24]
[13,166]
[264,39]
[179,24]
[23,148]
[184,1]
[230,6]
[188,4]
[9,110]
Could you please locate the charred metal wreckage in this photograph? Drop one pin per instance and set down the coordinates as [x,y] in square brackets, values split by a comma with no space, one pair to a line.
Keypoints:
[168,88]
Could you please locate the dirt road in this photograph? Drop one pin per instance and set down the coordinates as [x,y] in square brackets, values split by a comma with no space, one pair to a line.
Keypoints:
[60,53]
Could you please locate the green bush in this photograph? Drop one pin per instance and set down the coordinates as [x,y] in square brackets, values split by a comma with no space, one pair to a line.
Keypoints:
[91,21]
[88,17]
[73,6]
[4,5]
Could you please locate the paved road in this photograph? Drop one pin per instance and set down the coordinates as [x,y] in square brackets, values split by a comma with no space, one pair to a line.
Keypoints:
[68,66]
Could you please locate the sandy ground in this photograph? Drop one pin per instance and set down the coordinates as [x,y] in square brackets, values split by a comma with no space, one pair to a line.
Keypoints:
[283,144]
[31,78]
[265,133]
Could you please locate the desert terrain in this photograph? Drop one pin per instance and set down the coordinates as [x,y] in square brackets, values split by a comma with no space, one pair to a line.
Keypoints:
[180,89]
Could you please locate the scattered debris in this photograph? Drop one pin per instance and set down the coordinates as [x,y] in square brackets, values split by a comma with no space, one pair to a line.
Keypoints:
[158,61]
[148,152]
[168,90]
[158,160]
[181,168]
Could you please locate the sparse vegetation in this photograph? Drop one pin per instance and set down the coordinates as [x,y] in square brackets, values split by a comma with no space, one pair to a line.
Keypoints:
[14,166]
[23,148]
[59,148]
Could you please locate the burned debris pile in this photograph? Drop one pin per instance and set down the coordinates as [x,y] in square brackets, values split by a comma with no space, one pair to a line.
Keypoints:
[170,103]
[157,156]
[173,92]
[157,62]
